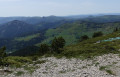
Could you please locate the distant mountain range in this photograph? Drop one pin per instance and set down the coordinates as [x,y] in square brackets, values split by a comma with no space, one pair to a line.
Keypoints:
[26,25]
[15,28]
[31,20]
[49,19]
[19,32]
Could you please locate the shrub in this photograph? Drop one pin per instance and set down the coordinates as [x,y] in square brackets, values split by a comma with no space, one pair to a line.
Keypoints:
[110,48]
[44,48]
[116,29]
[58,44]
[19,73]
[102,68]
[2,55]
[85,37]
[40,62]
[34,58]
[97,34]
[30,69]
[110,72]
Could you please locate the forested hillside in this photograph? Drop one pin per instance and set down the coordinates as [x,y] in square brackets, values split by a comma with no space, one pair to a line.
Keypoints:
[21,33]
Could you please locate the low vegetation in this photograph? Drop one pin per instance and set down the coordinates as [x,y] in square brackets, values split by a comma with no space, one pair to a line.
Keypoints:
[17,61]
[87,48]
[107,69]
[72,32]
[19,73]
[83,38]
[97,34]
[27,38]
[93,47]
[110,72]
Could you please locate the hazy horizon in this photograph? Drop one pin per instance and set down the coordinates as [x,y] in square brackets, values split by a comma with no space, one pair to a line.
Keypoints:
[31,8]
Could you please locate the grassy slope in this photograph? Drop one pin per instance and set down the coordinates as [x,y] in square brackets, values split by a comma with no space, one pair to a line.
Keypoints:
[27,38]
[86,49]
[89,48]
[72,32]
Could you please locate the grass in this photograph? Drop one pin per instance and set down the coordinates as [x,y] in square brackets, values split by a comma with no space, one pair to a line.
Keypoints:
[115,62]
[96,64]
[84,67]
[15,61]
[23,62]
[27,38]
[89,49]
[19,73]
[62,71]
[110,72]
[107,69]
[73,31]
[39,62]
[84,50]
[103,68]
[30,69]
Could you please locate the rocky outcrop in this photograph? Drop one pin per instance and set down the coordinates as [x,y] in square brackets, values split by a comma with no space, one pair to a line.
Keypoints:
[101,66]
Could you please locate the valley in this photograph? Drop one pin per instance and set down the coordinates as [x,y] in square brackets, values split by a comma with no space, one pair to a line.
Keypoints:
[65,47]
[19,33]
[59,38]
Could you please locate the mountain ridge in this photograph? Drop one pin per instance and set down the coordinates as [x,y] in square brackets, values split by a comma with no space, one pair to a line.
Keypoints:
[15,28]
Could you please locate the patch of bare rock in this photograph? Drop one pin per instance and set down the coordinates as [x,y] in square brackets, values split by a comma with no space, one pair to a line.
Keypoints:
[102,66]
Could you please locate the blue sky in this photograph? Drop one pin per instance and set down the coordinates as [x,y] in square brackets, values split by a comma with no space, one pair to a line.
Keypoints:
[57,7]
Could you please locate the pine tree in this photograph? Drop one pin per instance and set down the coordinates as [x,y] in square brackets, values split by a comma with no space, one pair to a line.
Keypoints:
[116,29]
[44,48]
[97,34]
[2,54]
[85,37]
[61,42]
[58,44]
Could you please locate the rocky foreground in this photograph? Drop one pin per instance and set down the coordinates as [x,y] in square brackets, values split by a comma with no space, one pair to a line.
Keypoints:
[101,66]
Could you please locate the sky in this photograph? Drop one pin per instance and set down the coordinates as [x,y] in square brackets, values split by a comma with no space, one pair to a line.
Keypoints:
[57,7]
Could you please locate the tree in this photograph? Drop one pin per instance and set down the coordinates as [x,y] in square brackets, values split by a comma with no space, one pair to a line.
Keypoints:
[58,44]
[61,42]
[116,29]
[54,44]
[97,34]
[84,37]
[2,54]
[44,48]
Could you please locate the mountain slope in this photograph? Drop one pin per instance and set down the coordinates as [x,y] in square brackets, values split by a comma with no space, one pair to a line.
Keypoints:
[103,18]
[18,34]
[51,19]
[72,32]
[31,20]
[95,46]
[15,28]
